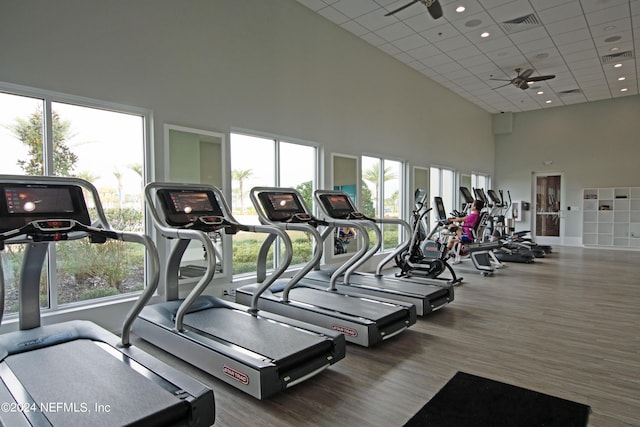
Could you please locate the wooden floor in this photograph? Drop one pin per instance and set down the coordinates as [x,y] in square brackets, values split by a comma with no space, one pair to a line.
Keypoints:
[567,325]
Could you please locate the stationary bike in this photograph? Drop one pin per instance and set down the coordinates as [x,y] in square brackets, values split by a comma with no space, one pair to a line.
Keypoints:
[426,256]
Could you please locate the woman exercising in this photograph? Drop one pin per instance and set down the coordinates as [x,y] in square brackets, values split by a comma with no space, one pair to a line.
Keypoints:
[464,233]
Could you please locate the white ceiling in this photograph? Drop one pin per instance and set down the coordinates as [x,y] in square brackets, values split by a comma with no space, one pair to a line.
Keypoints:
[571,40]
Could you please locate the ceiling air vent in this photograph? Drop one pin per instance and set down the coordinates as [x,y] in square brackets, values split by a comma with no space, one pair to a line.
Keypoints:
[519,24]
[618,56]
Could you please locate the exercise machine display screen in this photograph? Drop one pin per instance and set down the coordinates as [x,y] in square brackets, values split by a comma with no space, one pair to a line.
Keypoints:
[420,195]
[337,205]
[442,213]
[280,206]
[24,203]
[466,194]
[494,196]
[182,207]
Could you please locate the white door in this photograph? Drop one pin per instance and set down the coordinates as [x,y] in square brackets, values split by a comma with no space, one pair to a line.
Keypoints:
[548,221]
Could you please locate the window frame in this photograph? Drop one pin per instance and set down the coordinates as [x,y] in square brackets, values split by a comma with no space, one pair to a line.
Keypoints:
[403,182]
[277,141]
[48,98]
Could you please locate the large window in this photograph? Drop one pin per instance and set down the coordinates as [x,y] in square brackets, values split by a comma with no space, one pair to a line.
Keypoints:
[442,183]
[382,184]
[50,134]
[266,162]
[480,180]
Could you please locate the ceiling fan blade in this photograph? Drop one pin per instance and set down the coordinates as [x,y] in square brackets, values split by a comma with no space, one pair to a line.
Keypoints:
[541,78]
[494,88]
[435,10]
[502,80]
[402,8]
[526,74]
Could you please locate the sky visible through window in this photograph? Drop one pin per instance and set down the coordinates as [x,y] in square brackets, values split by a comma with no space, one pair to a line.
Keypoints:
[105,142]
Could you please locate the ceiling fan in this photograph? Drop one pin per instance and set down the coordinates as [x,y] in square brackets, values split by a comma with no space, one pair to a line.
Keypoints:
[433,6]
[523,80]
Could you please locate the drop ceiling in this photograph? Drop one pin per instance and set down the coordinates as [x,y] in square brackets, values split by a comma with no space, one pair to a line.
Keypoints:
[591,46]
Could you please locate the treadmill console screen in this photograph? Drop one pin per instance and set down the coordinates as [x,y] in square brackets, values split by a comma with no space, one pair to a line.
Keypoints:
[23,203]
[442,213]
[183,206]
[337,205]
[280,206]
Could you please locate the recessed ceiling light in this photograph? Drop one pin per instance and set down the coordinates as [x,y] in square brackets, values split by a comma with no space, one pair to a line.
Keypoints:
[621,78]
[548,101]
[614,49]
[485,34]
[460,9]
[609,28]
[540,92]
[618,65]
[624,89]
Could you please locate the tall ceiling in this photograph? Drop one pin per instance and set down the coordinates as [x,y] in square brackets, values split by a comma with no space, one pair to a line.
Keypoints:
[581,42]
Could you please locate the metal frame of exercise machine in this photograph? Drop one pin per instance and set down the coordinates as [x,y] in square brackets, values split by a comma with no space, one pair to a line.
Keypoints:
[76,373]
[364,320]
[258,352]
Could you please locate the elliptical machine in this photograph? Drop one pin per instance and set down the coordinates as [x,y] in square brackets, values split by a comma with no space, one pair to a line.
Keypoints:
[425,256]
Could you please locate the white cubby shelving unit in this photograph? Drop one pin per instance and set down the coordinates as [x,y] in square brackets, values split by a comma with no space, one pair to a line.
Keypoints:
[611,217]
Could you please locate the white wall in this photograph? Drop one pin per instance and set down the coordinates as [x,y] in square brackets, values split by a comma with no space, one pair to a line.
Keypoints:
[594,144]
[271,66]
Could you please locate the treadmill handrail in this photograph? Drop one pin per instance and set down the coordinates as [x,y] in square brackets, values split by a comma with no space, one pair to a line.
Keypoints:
[253,194]
[192,234]
[373,224]
[100,228]
[353,222]
[400,248]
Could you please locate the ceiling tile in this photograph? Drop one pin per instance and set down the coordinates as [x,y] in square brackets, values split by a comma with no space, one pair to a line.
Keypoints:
[511,10]
[333,15]
[546,4]
[570,42]
[394,31]
[412,41]
[355,8]
[374,39]
[355,28]
[530,35]
[424,51]
[440,32]
[374,20]
[464,52]
[572,36]
[611,13]
[569,25]
[451,43]
[560,13]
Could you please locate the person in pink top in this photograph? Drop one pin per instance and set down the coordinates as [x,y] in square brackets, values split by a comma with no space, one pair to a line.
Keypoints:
[464,233]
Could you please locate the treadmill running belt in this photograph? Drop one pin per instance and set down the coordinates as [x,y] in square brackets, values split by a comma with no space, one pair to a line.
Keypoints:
[378,312]
[82,385]
[284,345]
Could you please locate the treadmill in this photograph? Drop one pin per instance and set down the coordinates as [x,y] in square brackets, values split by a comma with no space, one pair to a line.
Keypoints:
[76,373]
[257,352]
[428,295]
[363,319]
